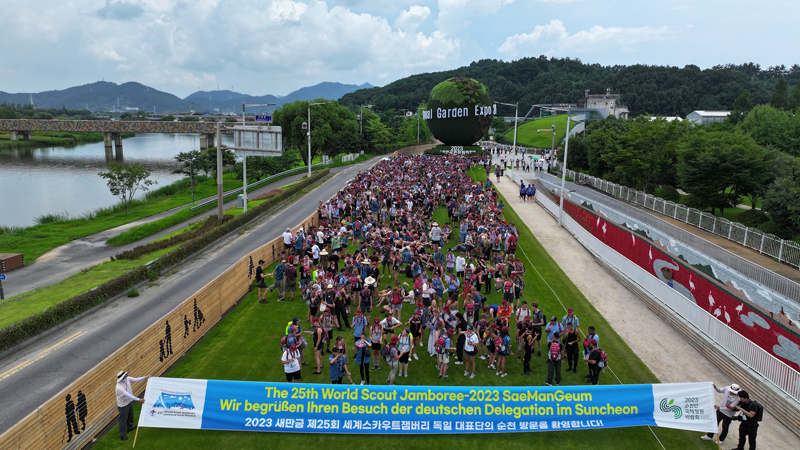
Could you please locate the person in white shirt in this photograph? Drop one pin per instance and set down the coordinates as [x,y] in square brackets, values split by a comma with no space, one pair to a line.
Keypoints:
[470,348]
[315,254]
[125,399]
[291,364]
[287,240]
[460,263]
[725,410]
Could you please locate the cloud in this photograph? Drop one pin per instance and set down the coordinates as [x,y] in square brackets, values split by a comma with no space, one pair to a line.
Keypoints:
[752,318]
[456,15]
[286,11]
[555,36]
[787,349]
[120,10]
[411,19]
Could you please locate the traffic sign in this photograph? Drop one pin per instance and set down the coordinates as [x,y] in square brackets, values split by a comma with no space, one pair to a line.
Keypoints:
[3,276]
[264,118]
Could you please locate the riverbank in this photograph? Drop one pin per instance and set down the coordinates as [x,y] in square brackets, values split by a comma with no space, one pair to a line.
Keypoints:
[51,138]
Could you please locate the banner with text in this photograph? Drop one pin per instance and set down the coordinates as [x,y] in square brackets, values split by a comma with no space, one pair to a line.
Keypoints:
[318,408]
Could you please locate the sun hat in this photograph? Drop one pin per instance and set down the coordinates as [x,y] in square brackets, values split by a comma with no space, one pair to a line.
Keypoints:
[735,388]
[395,339]
[323,253]
[121,375]
[369,280]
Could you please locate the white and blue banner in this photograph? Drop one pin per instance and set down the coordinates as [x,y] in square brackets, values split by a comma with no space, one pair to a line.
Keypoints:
[318,408]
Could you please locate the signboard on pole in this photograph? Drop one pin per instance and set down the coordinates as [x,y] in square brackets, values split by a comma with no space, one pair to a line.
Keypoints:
[264,118]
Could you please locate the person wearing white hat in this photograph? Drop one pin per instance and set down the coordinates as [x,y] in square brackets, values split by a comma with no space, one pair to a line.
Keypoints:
[125,399]
[725,410]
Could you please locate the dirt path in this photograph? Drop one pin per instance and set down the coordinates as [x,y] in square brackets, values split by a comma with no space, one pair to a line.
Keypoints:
[649,337]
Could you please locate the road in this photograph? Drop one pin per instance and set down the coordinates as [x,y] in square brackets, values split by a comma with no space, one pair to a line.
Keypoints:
[34,374]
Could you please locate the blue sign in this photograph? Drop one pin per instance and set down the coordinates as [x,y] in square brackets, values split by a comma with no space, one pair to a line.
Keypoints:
[321,408]
[264,118]
[2,276]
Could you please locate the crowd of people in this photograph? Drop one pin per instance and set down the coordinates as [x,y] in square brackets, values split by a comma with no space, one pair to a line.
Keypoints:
[542,160]
[378,252]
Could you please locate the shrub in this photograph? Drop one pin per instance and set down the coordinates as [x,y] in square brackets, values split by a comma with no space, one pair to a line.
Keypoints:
[152,275]
[753,218]
[670,193]
[132,292]
[770,227]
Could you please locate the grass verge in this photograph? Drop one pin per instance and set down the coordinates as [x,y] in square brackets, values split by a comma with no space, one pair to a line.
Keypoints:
[244,346]
[528,134]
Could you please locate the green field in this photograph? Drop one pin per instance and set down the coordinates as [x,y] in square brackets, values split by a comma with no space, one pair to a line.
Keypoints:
[244,346]
[527,134]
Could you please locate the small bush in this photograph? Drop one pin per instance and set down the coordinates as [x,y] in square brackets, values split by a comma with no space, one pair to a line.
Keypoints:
[692,201]
[132,292]
[670,193]
[152,275]
[753,218]
[770,227]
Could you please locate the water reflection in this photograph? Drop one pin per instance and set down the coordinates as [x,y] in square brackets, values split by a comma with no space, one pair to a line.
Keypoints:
[49,180]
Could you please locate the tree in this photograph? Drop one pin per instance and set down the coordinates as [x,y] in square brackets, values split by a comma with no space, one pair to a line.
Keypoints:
[124,180]
[741,107]
[782,203]
[774,128]
[331,124]
[192,162]
[376,133]
[710,163]
[210,166]
[780,96]
[795,100]
[167,118]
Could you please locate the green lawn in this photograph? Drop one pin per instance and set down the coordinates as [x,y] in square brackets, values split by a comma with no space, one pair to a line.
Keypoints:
[27,304]
[244,346]
[528,136]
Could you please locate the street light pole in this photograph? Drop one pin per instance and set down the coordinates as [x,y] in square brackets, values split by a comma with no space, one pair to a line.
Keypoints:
[417,125]
[564,173]
[244,154]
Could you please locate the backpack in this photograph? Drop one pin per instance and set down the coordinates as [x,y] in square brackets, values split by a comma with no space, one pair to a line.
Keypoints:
[409,274]
[759,411]
[470,309]
[385,353]
[508,287]
[440,344]
[603,362]
[555,351]
[498,344]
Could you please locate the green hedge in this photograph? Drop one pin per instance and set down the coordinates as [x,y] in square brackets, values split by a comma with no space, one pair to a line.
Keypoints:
[208,224]
[57,314]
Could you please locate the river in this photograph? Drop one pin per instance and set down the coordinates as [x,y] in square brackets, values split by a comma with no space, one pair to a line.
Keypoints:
[50,180]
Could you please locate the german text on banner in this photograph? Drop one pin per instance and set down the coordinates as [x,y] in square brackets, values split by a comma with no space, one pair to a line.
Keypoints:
[318,408]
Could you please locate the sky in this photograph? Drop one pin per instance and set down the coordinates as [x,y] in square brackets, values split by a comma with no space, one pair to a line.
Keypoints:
[278,46]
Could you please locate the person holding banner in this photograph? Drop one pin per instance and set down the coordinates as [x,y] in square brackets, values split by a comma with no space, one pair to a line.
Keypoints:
[725,410]
[125,399]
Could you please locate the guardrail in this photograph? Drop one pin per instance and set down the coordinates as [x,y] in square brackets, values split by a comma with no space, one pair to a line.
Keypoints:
[736,346]
[764,276]
[781,249]
[212,200]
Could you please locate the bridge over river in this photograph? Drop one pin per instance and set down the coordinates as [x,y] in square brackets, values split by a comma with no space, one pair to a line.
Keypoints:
[112,129]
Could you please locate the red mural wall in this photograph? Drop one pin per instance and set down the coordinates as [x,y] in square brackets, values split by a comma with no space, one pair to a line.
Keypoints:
[757,327]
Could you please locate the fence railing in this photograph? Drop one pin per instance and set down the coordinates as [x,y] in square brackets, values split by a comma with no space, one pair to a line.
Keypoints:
[764,276]
[783,250]
[776,372]
[212,200]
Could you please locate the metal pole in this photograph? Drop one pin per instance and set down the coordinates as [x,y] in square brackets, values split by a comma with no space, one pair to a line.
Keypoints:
[553,143]
[564,173]
[360,122]
[2,296]
[309,140]
[516,116]
[244,166]
[418,125]
[219,170]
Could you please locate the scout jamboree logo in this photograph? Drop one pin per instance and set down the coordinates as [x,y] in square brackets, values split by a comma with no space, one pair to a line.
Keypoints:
[667,406]
[177,404]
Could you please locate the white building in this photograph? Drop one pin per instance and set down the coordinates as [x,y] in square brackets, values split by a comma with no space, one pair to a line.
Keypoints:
[707,117]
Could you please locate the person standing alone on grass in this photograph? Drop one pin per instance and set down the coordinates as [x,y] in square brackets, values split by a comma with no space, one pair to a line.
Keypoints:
[125,399]
[725,410]
[262,285]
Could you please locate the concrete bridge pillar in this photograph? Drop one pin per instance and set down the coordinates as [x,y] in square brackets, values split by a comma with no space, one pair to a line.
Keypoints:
[118,146]
[107,142]
[13,135]
[206,140]
[26,135]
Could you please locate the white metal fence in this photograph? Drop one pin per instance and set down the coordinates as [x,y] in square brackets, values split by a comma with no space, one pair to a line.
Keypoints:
[755,240]
[781,249]
[778,373]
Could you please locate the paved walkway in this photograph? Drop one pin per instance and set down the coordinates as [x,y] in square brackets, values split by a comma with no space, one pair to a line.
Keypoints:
[69,259]
[648,336]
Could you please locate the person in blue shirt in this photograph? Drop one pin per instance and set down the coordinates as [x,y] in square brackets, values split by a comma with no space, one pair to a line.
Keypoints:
[277,275]
[336,374]
[522,191]
[359,324]
[570,318]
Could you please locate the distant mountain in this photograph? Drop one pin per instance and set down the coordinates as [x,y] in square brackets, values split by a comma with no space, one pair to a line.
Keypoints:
[107,96]
[101,96]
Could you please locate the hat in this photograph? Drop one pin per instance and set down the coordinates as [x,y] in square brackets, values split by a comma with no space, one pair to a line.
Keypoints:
[295,320]
[469,327]
[554,319]
[324,253]
[569,310]
[329,286]
[451,331]
[121,375]
[505,329]
[376,321]
[505,302]
[593,342]
[358,311]
[288,230]
[395,339]
[369,280]
[734,388]
[292,346]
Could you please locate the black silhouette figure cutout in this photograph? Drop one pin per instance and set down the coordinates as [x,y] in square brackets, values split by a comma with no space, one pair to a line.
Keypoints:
[250,269]
[72,423]
[198,317]
[161,354]
[168,339]
[186,323]
[83,410]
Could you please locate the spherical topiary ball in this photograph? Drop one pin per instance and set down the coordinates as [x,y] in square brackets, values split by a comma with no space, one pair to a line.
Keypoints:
[459,111]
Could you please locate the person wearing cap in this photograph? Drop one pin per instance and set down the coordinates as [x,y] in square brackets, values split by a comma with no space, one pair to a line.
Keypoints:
[363,346]
[359,324]
[125,399]
[571,319]
[392,359]
[470,349]
[592,359]
[278,274]
[416,328]
[291,364]
[751,414]
[552,329]
[444,357]
[725,410]
[336,372]
[436,234]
